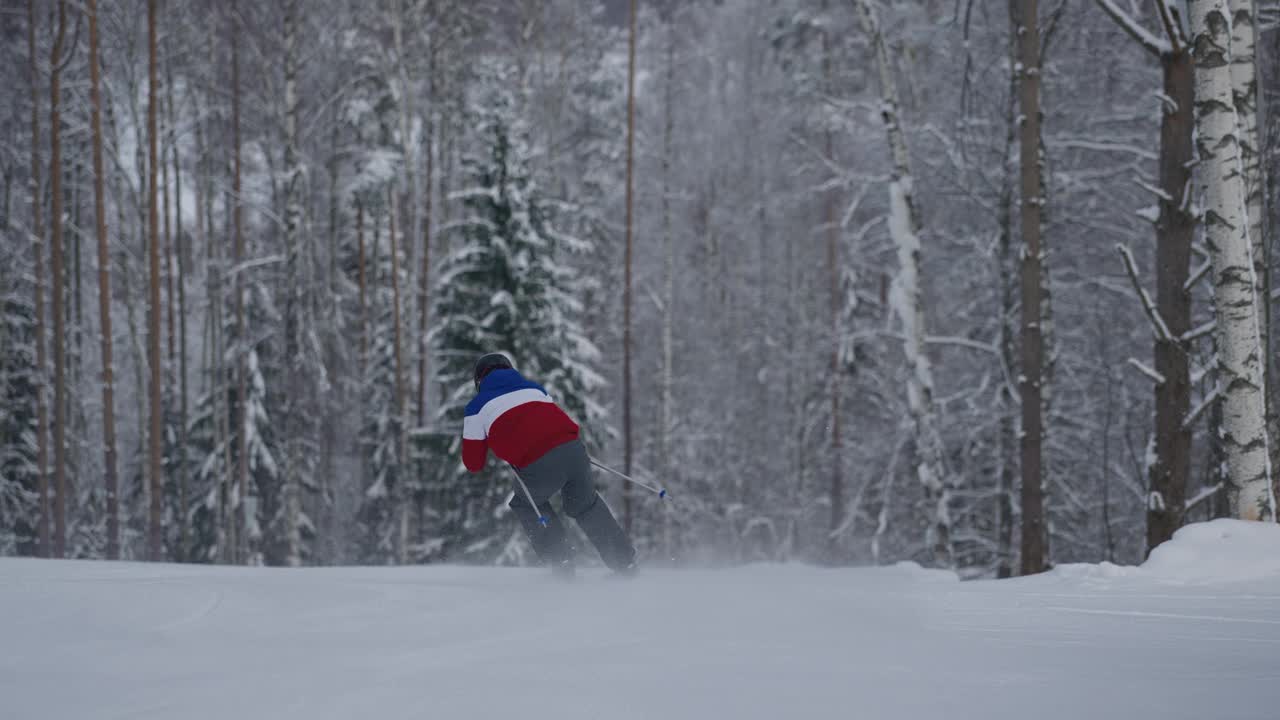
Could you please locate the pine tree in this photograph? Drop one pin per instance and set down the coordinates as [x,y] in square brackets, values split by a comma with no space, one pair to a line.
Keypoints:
[508,286]
[19,466]
[210,457]
[382,429]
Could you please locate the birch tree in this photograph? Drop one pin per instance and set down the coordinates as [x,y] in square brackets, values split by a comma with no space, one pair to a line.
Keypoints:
[1244,95]
[1236,307]
[908,299]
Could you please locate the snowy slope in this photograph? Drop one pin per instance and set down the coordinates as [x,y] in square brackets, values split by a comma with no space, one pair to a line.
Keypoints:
[1194,634]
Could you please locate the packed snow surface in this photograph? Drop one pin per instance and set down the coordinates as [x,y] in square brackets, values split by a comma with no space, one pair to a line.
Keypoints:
[1193,634]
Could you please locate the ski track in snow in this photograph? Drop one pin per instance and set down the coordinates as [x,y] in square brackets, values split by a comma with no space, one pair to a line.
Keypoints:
[144,642]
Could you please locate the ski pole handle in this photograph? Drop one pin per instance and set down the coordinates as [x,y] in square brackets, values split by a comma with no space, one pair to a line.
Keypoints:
[660,492]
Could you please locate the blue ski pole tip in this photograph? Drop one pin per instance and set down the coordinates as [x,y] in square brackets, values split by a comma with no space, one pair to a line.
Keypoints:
[542,520]
[662,494]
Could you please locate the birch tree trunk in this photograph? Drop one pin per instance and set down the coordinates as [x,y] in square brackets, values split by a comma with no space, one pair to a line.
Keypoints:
[104,294]
[57,279]
[908,301]
[1226,220]
[1244,95]
[37,232]
[1030,157]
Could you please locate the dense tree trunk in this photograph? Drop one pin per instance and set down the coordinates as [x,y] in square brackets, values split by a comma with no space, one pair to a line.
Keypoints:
[424,282]
[360,274]
[1175,229]
[1030,157]
[183,261]
[399,499]
[239,505]
[37,234]
[406,108]
[104,295]
[626,292]
[1238,329]
[58,279]
[1007,299]
[836,385]
[904,227]
[667,411]
[166,249]
[1171,315]
[155,532]
[296,424]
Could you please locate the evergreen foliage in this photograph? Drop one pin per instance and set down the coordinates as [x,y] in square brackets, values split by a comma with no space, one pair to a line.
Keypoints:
[19,469]
[506,287]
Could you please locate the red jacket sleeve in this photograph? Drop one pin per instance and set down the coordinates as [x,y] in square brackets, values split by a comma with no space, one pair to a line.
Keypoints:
[474,453]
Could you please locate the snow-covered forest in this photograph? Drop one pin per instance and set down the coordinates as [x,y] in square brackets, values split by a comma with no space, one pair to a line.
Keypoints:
[980,284]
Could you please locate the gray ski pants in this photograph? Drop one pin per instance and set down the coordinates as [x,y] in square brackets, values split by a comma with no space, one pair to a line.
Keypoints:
[566,469]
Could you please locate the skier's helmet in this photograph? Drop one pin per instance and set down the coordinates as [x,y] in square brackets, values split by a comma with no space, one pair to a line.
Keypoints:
[488,363]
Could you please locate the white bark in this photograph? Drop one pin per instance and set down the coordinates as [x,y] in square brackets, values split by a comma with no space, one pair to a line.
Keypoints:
[907,300]
[1240,366]
[1244,92]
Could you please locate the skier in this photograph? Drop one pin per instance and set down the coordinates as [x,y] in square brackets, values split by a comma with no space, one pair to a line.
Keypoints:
[516,419]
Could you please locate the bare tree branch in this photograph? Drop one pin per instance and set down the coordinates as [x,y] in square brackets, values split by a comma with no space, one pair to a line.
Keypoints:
[1135,30]
[1151,373]
[1157,322]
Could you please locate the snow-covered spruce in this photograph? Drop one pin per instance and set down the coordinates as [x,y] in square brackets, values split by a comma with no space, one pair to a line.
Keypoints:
[508,286]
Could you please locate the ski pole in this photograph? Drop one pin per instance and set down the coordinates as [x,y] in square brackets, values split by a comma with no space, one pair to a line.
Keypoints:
[660,492]
[542,519]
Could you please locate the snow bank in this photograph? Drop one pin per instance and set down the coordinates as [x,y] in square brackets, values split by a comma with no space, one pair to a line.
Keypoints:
[1221,551]
[1207,553]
